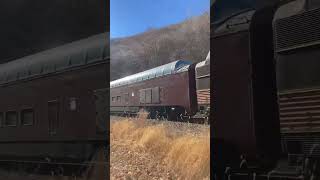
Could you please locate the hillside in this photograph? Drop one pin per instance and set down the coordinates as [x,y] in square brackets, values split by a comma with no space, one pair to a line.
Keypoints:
[187,40]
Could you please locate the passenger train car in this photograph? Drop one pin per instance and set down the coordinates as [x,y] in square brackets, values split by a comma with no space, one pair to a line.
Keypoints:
[49,105]
[265,100]
[175,91]
[168,90]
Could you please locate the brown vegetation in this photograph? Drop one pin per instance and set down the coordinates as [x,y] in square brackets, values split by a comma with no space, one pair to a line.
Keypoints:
[170,153]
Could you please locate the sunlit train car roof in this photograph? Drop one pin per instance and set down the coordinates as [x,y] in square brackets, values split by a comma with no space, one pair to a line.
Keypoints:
[205,62]
[170,68]
[87,51]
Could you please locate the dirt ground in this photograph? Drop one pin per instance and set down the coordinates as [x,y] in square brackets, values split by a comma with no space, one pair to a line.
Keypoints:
[148,149]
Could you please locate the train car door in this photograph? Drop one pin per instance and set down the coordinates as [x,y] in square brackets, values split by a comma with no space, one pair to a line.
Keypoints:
[53,116]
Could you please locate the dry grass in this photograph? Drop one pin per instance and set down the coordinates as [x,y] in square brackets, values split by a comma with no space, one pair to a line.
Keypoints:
[187,154]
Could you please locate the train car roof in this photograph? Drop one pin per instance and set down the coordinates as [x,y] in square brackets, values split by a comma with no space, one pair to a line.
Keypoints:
[167,69]
[205,62]
[93,49]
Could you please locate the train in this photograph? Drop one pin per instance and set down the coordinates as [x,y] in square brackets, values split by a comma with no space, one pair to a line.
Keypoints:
[266,105]
[53,108]
[174,91]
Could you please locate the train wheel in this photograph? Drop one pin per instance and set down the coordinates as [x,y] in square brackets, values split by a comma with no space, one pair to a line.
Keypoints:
[175,114]
[152,114]
[172,115]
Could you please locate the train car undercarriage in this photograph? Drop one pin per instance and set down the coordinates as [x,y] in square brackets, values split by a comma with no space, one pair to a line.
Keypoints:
[55,159]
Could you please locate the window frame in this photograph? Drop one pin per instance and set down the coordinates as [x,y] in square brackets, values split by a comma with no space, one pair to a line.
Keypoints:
[76,104]
[21,116]
[6,115]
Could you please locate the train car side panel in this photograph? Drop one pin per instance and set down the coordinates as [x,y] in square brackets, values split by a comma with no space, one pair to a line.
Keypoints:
[167,91]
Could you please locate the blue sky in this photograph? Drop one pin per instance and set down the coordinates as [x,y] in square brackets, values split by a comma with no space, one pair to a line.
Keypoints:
[130,17]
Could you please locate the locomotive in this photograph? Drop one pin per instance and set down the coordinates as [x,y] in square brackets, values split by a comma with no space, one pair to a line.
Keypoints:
[173,91]
[266,104]
[53,107]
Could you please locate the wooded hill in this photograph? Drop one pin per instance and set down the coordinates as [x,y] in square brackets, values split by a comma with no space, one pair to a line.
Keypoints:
[188,40]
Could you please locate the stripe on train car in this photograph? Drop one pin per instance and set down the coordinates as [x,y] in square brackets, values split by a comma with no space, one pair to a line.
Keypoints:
[300,111]
[203,96]
[300,121]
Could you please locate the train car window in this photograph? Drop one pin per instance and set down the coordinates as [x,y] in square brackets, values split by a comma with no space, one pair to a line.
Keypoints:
[142,93]
[156,95]
[73,104]
[105,51]
[36,69]
[126,97]
[113,99]
[23,73]
[145,77]
[159,73]
[18,75]
[11,118]
[62,63]
[1,119]
[2,78]
[152,75]
[148,95]
[27,117]
[118,98]
[94,54]
[166,71]
[77,59]
[47,68]
[11,77]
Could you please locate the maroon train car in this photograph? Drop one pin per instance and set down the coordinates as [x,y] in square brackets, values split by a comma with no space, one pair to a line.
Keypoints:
[245,113]
[203,87]
[167,90]
[48,103]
